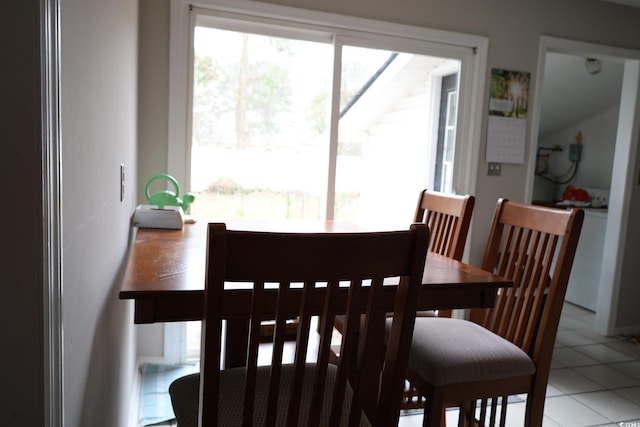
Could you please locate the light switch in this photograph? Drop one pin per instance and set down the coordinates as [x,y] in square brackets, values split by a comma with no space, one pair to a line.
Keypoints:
[121,182]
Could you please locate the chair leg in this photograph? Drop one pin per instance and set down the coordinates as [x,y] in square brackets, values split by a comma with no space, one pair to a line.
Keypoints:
[494,411]
[483,412]
[534,412]
[465,414]
[503,411]
[434,410]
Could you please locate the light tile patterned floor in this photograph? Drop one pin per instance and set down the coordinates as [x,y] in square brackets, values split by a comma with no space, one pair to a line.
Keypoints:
[594,380]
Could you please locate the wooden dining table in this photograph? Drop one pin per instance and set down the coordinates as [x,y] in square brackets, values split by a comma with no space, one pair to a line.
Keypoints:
[166,269]
[165,277]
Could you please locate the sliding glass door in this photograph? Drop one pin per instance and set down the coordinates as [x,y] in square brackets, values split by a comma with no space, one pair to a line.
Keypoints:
[303,124]
[259,127]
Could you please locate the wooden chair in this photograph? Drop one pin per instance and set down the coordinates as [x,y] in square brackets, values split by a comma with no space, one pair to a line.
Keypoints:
[505,350]
[306,275]
[448,217]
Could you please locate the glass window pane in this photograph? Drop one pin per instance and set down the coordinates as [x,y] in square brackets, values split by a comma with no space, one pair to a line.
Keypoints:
[260,132]
[449,142]
[386,136]
[360,66]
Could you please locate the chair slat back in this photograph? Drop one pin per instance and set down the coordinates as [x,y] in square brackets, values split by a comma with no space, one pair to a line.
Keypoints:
[448,217]
[535,247]
[311,275]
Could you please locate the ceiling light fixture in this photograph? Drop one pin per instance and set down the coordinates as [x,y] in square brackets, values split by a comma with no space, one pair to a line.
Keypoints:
[593,65]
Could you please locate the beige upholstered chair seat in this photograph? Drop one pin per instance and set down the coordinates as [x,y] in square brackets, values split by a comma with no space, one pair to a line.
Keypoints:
[504,350]
[184,393]
[451,351]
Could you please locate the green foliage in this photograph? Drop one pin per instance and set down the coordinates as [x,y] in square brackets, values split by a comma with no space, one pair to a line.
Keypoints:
[216,91]
[245,98]
[282,46]
[269,96]
[317,113]
[513,86]
[224,185]
[499,85]
[205,70]
[212,105]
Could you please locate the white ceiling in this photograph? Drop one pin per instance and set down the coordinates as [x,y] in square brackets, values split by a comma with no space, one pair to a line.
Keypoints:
[570,94]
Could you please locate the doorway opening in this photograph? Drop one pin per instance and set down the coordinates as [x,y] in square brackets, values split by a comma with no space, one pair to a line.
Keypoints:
[590,151]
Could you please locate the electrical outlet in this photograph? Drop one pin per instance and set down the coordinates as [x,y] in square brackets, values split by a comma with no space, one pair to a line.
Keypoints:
[122,182]
[495,169]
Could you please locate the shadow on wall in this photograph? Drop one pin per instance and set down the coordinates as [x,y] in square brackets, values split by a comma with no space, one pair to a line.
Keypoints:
[115,325]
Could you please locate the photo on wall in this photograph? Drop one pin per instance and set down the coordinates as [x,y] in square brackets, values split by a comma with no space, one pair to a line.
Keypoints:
[508,106]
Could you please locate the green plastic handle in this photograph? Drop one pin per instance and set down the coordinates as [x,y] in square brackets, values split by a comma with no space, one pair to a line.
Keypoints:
[169,178]
[166,197]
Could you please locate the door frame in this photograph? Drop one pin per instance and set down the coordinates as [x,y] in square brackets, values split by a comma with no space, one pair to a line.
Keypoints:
[53,372]
[623,166]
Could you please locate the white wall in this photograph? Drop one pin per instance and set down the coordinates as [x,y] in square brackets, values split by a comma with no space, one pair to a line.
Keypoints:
[153,88]
[99,91]
[594,171]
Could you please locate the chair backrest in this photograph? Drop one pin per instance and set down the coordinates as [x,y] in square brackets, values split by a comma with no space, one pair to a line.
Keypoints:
[448,217]
[535,247]
[315,275]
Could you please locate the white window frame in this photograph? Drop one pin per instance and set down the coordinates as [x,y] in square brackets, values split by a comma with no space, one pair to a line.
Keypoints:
[470,50]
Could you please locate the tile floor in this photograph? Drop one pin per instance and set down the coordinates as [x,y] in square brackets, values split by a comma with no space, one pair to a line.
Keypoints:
[594,380]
